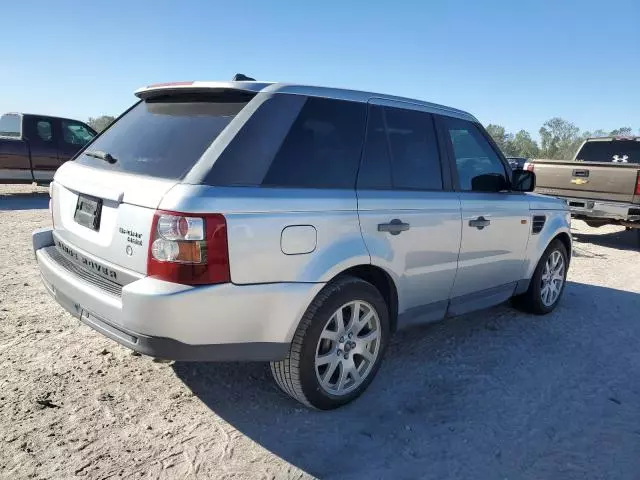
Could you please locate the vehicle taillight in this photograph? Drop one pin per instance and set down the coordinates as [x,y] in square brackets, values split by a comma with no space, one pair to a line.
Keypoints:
[189,249]
[638,184]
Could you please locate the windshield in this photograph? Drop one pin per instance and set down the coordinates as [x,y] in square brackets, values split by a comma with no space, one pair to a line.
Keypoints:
[10,126]
[164,137]
[615,151]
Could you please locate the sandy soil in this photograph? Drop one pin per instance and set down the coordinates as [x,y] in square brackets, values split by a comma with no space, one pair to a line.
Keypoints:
[496,394]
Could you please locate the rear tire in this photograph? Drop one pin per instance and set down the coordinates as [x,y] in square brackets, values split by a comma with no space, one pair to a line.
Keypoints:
[548,281]
[336,353]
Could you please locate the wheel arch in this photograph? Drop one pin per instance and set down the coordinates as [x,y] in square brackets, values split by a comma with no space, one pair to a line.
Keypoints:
[565,238]
[383,282]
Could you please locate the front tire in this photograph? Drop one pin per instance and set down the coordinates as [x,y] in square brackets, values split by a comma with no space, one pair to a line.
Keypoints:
[548,281]
[338,346]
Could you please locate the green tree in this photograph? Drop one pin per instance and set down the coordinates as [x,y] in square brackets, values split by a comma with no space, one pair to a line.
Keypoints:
[624,131]
[559,139]
[524,146]
[100,123]
[501,137]
[595,134]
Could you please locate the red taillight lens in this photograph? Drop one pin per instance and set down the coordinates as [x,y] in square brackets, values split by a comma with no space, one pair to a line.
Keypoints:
[189,249]
[638,184]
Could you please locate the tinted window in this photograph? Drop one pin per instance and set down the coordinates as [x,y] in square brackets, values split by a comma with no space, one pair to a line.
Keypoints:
[375,171]
[322,148]
[10,125]
[165,137]
[615,151]
[39,130]
[401,151]
[415,158]
[76,133]
[44,130]
[473,153]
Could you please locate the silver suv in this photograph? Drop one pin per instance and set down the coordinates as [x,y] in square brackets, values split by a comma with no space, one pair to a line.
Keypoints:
[296,225]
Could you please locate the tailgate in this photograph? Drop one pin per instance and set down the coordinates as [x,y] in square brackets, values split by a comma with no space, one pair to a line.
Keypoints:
[110,220]
[104,201]
[596,181]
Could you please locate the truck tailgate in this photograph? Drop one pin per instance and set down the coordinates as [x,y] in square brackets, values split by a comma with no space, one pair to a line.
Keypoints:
[615,182]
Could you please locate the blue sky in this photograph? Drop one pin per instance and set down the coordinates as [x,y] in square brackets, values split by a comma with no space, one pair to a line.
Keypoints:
[515,63]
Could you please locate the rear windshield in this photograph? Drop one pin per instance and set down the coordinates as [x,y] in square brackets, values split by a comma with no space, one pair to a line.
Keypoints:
[10,126]
[164,137]
[615,151]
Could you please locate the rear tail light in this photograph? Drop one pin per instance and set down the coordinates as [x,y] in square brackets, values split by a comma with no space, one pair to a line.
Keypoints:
[189,249]
[637,192]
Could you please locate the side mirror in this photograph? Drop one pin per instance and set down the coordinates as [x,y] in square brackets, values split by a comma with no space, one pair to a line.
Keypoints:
[523,181]
[489,182]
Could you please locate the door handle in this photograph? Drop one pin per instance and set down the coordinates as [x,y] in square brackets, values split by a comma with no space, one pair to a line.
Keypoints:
[580,173]
[394,227]
[479,223]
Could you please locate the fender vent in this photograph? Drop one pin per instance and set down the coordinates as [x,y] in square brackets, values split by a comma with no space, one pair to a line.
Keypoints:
[538,224]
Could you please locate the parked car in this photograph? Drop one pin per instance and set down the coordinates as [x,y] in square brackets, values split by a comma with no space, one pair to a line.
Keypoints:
[601,184]
[293,224]
[517,163]
[32,147]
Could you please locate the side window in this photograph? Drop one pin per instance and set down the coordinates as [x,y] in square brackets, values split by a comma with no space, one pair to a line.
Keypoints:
[415,158]
[75,133]
[322,148]
[39,130]
[473,153]
[401,151]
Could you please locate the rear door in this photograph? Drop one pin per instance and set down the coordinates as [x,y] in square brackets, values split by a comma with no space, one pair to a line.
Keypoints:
[495,225]
[14,151]
[409,216]
[41,133]
[104,211]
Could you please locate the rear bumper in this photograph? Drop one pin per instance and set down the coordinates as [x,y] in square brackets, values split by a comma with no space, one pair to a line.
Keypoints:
[597,209]
[165,320]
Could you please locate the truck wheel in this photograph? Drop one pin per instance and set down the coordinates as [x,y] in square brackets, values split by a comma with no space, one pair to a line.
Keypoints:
[548,281]
[338,346]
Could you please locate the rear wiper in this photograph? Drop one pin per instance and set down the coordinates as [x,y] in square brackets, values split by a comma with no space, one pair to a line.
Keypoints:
[107,157]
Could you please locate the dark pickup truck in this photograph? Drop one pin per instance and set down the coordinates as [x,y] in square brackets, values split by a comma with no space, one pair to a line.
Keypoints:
[32,147]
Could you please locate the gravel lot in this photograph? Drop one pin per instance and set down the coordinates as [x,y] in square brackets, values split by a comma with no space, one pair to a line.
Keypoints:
[496,394]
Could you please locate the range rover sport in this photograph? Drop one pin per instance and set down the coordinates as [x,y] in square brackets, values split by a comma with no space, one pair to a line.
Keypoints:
[293,224]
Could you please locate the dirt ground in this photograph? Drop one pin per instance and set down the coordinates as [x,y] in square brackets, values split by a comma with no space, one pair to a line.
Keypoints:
[496,394]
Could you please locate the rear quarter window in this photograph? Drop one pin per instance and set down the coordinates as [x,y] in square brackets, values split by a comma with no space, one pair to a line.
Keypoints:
[322,148]
[164,137]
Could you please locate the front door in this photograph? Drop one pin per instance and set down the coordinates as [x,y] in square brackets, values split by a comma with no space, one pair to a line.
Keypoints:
[73,136]
[495,225]
[409,216]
